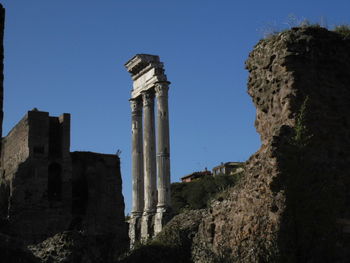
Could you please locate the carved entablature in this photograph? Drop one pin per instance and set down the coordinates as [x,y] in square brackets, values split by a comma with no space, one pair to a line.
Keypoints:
[146,70]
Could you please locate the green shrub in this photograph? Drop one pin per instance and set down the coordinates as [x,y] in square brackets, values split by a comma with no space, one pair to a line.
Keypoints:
[343,30]
[197,194]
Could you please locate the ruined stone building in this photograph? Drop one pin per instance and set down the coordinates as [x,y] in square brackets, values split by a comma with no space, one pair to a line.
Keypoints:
[151,197]
[45,189]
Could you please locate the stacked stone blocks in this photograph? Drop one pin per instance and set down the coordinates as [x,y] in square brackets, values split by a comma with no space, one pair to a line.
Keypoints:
[45,189]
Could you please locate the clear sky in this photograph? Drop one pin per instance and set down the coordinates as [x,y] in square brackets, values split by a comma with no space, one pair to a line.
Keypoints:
[68,56]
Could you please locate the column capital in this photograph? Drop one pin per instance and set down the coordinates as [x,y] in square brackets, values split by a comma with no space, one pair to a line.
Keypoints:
[162,88]
[136,106]
[148,98]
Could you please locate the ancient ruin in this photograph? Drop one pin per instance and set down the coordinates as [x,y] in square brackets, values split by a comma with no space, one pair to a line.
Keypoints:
[151,202]
[292,201]
[47,191]
[292,204]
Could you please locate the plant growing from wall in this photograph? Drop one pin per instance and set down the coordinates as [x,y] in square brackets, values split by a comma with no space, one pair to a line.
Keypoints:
[308,190]
[302,135]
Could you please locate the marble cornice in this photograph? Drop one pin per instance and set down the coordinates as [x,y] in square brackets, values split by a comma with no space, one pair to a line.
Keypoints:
[140,61]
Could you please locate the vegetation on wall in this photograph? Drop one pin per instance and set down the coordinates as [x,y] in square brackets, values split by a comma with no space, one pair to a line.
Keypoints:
[344,30]
[303,182]
[271,29]
[197,194]
[302,135]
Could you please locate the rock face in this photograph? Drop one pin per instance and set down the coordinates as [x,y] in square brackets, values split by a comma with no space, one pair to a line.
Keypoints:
[293,203]
[173,244]
[76,246]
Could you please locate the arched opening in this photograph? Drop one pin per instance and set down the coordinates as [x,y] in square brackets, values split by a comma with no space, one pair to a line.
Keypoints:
[54,186]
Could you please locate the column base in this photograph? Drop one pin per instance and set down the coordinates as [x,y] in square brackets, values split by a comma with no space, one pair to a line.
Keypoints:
[135,229]
[162,217]
[147,226]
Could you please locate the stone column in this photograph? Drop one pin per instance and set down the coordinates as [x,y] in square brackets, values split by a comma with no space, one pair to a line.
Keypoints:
[163,156]
[137,171]
[149,160]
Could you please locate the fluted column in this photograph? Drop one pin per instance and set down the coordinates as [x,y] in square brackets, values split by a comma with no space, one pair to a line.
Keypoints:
[137,157]
[137,171]
[149,158]
[163,156]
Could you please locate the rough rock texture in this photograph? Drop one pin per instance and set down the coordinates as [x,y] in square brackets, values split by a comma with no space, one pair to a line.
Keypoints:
[173,244]
[293,203]
[76,247]
[181,230]
[13,251]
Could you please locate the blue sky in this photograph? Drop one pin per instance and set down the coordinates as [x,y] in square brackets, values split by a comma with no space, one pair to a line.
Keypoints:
[68,56]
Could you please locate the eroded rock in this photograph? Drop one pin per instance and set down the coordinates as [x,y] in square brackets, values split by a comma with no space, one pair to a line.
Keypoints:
[293,203]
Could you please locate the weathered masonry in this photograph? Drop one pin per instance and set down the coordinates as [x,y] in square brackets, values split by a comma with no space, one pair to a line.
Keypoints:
[48,193]
[151,202]
[45,189]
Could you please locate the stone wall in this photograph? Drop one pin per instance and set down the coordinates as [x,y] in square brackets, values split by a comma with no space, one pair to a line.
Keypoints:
[16,148]
[17,151]
[293,203]
[45,190]
[97,196]
[36,182]
[61,210]
[97,232]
